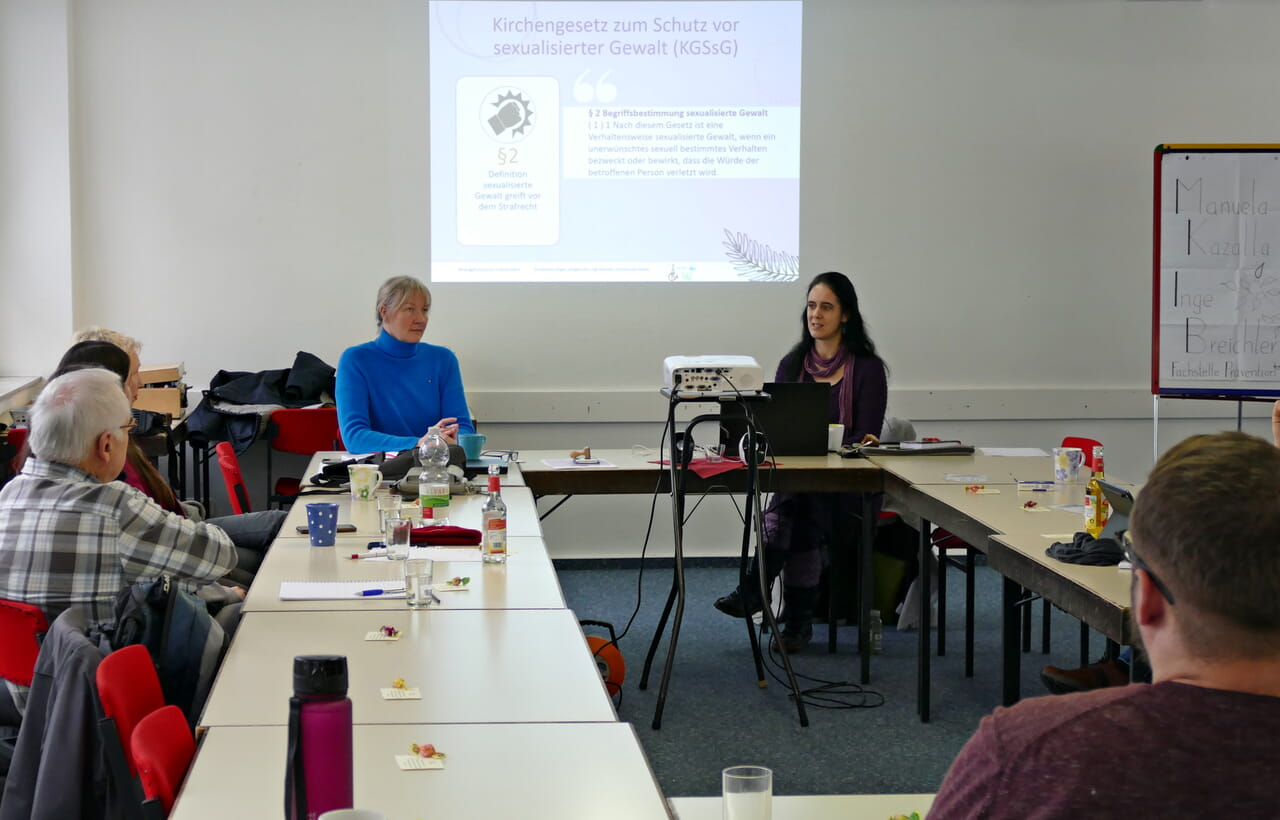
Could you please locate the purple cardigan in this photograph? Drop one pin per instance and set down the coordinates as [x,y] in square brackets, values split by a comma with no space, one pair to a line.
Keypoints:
[870,393]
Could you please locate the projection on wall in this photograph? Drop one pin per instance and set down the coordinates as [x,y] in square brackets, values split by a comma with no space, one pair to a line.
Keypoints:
[615,141]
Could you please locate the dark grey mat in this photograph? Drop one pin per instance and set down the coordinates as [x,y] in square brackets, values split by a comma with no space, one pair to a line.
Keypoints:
[716,716]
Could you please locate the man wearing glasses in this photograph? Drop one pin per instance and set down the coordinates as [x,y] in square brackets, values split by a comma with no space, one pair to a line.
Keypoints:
[1200,740]
[70,534]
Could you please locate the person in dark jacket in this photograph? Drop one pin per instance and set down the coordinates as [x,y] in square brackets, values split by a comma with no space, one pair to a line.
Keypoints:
[834,348]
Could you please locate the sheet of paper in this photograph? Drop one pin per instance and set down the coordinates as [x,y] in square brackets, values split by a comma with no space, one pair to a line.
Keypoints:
[413,763]
[1013,452]
[454,555]
[570,464]
[338,590]
[391,693]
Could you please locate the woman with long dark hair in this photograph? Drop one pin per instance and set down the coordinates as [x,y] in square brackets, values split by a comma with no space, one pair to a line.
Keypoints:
[834,348]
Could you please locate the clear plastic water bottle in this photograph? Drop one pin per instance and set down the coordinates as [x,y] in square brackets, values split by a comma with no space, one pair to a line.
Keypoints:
[433,483]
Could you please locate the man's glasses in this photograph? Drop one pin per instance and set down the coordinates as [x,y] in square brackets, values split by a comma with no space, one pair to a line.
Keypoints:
[129,428]
[1132,557]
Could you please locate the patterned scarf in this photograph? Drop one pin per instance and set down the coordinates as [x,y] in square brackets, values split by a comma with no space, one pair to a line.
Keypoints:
[820,368]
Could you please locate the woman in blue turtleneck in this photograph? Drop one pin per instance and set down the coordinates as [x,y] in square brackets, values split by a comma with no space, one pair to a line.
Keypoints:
[391,390]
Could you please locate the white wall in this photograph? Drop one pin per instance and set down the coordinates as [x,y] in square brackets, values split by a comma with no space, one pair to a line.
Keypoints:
[35,186]
[233,179]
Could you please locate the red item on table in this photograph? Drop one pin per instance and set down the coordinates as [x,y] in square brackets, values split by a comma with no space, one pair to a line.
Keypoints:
[446,536]
[709,469]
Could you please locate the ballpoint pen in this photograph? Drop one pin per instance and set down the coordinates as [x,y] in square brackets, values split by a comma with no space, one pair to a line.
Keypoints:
[365,593]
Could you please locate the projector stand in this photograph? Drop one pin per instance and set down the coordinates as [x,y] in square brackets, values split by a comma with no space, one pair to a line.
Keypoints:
[752,522]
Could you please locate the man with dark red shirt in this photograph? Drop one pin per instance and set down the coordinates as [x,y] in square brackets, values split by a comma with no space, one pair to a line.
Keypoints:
[1200,741]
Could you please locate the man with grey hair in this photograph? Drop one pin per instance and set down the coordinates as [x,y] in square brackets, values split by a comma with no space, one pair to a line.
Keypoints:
[70,534]
[1204,545]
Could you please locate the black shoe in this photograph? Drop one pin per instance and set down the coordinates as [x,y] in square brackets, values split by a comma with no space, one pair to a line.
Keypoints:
[735,606]
[793,638]
[798,631]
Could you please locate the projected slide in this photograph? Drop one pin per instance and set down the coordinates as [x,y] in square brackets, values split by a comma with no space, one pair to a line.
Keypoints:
[615,141]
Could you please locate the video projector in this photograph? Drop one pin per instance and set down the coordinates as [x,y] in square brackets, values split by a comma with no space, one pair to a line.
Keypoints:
[691,376]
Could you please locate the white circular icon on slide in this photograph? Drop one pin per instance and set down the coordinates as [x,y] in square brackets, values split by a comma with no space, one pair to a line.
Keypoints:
[507,114]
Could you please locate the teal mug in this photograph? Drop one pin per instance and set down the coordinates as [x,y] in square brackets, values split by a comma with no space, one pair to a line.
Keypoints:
[472,444]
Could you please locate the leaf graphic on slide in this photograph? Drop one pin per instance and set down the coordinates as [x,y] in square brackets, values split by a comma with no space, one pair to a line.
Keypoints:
[760,263]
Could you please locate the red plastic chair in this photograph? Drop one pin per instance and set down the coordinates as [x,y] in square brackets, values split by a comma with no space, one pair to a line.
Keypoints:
[21,627]
[237,494]
[164,747]
[302,432]
[129,690]
[1086,444]
[16,437]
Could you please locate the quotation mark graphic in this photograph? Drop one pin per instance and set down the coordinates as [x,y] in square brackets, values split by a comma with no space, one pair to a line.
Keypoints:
[602,91]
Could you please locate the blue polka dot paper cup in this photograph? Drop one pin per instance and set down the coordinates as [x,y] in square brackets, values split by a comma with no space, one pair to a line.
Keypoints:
[322,523]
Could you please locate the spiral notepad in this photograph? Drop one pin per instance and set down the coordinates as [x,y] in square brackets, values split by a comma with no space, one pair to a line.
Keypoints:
[338,590]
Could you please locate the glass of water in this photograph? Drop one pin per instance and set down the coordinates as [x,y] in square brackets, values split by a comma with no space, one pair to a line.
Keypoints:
[387,504]
[747,792]
[419,573]
[398,531]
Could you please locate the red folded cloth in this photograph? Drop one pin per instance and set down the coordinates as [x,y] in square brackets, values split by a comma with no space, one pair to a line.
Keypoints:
[708,469]
[444,536]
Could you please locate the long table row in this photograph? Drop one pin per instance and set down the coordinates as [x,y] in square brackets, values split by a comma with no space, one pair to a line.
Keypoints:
[509,690]
[508,682]
[933,488]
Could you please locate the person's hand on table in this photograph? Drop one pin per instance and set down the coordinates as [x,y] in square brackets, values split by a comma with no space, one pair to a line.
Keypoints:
[873,439]
[449,429]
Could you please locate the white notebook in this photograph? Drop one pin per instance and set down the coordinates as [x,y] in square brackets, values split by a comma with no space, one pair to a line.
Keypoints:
[338,590]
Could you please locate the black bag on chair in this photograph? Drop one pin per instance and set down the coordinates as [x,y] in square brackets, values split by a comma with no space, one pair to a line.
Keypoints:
[185,642]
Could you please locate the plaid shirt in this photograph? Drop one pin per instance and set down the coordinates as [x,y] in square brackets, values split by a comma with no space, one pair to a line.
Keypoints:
[67,539]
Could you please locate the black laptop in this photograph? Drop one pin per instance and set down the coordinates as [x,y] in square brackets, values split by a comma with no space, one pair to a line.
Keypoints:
[793,419]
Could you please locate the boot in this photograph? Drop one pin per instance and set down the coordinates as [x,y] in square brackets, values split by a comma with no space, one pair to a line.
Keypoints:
[797,629]
[744,601]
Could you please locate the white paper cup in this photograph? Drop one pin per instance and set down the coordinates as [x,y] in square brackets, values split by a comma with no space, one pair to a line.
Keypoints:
[835,437]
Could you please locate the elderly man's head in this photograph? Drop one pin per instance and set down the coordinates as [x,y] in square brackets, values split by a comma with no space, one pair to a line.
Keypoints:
[1207,524]
[82,419]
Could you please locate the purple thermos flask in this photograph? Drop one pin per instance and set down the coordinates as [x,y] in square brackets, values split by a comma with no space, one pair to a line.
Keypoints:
[318,776]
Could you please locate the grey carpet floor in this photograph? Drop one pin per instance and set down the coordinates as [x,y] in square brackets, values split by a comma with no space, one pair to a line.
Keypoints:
[716,716]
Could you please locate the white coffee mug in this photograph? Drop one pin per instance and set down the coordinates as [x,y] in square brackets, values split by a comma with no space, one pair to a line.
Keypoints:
[365,479]
[1066,464]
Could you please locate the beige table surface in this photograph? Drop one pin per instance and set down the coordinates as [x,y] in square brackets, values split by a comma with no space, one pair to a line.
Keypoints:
[814,807]
[18,391]
[527,581]
[464,511]
[585,771]
[319,459]
[997,469]
[1099,596]
[473,666]
[635,473]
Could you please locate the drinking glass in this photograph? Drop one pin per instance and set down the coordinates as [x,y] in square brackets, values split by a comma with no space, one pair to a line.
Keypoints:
[747,792]
[398,531]
[386,505]
[418,576]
